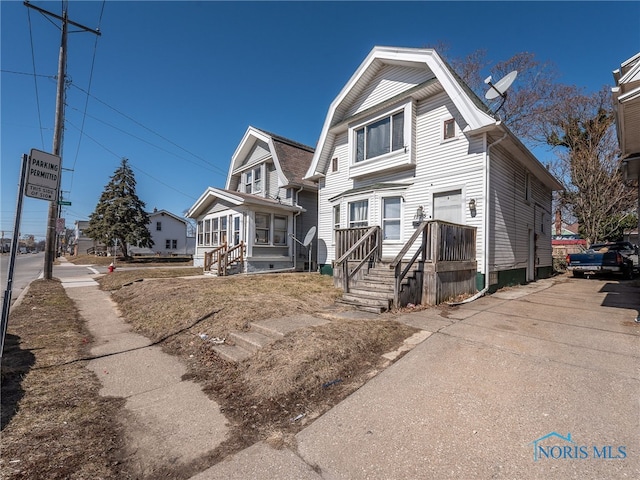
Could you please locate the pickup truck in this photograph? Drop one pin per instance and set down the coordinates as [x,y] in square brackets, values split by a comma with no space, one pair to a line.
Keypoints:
[612,257]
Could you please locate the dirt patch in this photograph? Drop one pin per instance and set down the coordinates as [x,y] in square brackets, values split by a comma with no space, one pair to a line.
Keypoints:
[54,423]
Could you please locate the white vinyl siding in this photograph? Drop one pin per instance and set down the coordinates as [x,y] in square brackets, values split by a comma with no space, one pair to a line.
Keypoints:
[388,82]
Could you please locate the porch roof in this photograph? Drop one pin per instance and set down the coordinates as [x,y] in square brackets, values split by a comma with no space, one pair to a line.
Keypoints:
[371,188]
[211,195]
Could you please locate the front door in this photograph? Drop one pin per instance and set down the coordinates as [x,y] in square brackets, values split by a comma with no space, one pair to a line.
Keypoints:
[447,206]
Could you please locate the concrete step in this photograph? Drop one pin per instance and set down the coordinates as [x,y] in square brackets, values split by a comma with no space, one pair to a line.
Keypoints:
[365,307]
[359,301]
[232,353]
[251,341]
[279,327]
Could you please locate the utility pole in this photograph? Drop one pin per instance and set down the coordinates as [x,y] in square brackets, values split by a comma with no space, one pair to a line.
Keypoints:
[50,242]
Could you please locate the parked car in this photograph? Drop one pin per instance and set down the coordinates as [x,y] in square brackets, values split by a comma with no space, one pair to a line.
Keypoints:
[610,257]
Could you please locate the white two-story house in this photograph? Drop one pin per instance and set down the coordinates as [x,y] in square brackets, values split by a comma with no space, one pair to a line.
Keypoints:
[265,210]
[405,141]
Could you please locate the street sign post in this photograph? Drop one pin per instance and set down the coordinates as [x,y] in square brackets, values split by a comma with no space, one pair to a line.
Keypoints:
[43,176]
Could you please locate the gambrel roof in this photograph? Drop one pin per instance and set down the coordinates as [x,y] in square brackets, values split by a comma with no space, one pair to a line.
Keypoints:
[424,73]
[292,159]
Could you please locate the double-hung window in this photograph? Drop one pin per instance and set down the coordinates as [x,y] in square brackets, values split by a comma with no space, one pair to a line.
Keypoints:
[207,232]
[223,230]
[391,218]
[359,214]
[262,228]
[215,231]
[380,137]
[279,230]
[253,180]
[336,220]
[200,232]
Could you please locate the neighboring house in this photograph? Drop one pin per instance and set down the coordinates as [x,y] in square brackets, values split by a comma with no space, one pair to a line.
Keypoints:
[168,232]
[169,235]
[82,244]
[264,204]
[405,141]
[626,101]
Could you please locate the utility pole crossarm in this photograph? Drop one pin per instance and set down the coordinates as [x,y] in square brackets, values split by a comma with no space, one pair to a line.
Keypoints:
[70,22]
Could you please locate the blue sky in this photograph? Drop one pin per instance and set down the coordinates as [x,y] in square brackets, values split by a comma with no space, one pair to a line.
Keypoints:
[174,85]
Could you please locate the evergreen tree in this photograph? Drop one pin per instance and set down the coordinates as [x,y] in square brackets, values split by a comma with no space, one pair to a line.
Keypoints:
[120,215]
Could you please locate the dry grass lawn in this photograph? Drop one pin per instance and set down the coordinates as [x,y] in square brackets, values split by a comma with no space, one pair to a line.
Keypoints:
[55,425]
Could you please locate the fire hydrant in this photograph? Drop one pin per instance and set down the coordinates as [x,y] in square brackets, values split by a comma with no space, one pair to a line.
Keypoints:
[111,268]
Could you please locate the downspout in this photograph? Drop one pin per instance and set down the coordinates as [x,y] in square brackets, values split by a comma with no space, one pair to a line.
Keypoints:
[295,246]
[486,181]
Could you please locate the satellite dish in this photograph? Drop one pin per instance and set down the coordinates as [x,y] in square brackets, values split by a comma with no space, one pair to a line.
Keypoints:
[307,241]
[499,89]
[309,236]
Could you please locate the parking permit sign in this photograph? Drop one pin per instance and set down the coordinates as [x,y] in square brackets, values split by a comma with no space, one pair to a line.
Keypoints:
[43,175]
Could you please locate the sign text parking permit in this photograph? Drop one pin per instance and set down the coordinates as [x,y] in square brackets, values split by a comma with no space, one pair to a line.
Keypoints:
[43,176]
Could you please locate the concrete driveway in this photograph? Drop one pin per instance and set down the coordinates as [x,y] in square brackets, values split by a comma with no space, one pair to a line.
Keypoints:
[540,381]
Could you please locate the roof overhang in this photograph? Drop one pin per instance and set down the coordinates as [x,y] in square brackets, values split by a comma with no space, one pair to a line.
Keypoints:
[626,102]
[212,195]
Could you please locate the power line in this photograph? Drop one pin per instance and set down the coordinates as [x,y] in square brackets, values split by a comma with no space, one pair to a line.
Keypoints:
[35,80]
[136,168]
[224,172]
[208,166]
[86,103]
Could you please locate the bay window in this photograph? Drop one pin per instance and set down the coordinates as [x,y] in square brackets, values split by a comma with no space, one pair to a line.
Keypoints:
[359,214]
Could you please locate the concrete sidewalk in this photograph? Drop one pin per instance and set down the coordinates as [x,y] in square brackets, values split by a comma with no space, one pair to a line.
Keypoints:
[541,381]
[167,420]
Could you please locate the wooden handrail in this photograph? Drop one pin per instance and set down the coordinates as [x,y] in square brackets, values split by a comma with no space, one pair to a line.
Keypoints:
[356,245]
[408,245]
[399,273]
[229,257]
[372,236]
[209,256]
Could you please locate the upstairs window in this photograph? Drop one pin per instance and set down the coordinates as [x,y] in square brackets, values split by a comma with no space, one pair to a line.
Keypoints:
[253,180]
[378,138]
[449,129]
[158,226]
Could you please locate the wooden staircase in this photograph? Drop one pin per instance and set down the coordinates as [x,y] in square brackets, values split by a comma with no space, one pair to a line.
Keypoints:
[224,260]
[375,291]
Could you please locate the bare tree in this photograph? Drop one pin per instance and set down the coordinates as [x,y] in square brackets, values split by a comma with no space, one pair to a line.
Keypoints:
[582,130]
